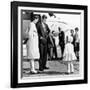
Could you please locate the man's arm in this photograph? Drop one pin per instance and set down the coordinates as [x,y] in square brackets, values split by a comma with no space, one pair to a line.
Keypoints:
[39,30]
[48,29]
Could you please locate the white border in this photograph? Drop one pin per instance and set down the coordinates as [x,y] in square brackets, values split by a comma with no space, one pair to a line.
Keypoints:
[57,77]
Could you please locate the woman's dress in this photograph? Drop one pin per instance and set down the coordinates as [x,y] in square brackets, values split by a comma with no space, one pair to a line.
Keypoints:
[33,44]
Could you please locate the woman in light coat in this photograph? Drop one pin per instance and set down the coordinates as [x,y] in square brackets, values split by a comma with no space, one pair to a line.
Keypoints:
[32,44]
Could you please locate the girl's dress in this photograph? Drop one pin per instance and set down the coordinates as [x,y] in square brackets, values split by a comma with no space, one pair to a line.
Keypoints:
[69,54]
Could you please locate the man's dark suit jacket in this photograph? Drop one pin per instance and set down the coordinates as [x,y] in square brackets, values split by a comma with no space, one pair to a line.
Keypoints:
[61,38]
[43,35]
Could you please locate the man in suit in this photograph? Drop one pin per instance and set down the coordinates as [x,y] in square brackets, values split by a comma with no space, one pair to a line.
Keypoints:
[61,40]
[77,42]
[43,32]
[50,46]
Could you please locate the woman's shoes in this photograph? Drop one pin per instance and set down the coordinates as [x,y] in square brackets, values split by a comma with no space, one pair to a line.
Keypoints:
[72,72]
[33,72]
[69,73]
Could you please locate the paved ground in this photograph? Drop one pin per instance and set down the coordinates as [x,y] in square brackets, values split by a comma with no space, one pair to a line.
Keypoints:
[56,67]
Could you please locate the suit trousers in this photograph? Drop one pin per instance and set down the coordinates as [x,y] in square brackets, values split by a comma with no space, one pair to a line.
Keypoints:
[43,56]
[62,48]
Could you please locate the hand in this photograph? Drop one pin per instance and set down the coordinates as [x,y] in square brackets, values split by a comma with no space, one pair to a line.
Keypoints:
[42,38]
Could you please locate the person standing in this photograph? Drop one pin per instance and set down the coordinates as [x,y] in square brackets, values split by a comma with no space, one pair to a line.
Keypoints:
[69,55]
[50,46]
[61,40]
[43,32]
[32,44]
[73,36]
[54,47]
[77,41]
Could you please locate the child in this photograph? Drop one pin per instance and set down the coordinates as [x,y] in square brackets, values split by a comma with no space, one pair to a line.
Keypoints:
[77,42]
[69,54]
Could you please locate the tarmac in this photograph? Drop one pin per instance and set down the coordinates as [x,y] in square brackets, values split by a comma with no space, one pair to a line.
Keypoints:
[56,67]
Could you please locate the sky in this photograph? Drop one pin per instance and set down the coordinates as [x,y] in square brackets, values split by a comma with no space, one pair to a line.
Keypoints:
[66,21]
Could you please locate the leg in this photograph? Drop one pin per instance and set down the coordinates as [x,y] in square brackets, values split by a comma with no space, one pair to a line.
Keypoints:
[68,67]
[32,66]
[62,49]
[41,57]
[51,52]
[44,56]
[72,67]
[55,51]
[48,53]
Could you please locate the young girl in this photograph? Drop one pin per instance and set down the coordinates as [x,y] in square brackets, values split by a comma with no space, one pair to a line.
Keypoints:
[69,55]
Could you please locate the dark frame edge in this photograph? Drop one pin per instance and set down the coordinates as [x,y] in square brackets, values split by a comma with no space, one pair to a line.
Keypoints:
[14,37]
[53,5]
[86,44]
[53,83]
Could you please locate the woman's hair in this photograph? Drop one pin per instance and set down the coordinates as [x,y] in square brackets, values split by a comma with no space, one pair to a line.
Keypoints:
[71,30]
[35,17]
[44,17]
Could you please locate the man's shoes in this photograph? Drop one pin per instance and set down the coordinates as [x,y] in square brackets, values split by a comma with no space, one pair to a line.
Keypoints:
[46,67]
[41,69]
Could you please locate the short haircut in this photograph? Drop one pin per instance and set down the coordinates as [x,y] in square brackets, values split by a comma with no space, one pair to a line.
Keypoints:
[53,32]
[44,17]
[76,29]
[50,13]
[71,30]
[59,28]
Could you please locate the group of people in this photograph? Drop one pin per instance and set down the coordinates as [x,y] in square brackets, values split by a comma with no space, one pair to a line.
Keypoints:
[76,41]
[41,43]
[37,43]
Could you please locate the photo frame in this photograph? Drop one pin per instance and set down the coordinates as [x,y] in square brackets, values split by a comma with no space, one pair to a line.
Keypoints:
[21,15]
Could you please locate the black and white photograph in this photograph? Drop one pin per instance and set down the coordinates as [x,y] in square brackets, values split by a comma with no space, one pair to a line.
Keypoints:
[50,44]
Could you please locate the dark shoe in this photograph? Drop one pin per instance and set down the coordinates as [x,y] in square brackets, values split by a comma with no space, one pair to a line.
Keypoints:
[72,72]
[67,73]
[46,67]
[41,69]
